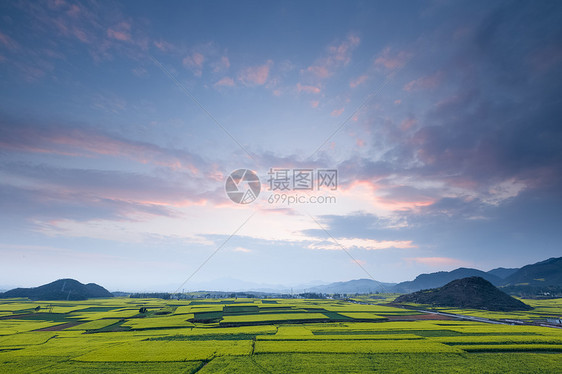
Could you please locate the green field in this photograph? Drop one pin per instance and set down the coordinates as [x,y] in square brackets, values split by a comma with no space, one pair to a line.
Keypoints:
[267,336]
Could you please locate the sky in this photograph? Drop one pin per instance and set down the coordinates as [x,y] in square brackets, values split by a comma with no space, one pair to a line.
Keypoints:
[120,123]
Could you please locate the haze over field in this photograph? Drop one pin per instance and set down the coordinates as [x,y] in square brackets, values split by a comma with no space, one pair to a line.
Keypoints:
[120,123]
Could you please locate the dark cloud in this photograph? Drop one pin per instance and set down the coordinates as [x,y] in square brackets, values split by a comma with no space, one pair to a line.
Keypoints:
[494,118]
[358,225]
[30,207]
[522,230]
[153,180]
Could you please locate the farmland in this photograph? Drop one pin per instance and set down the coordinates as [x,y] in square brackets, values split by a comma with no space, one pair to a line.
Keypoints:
[267,336]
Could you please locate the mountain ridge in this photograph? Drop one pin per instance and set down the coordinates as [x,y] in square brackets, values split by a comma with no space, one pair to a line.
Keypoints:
[541,278]
[61,289]
[466,293]
[502,272]
[353,286]
[543,273]
[500,277]
[440,278]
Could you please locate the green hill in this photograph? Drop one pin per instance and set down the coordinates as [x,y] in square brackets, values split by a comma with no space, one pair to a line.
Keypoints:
[544,273]
[62,289]
[469,293]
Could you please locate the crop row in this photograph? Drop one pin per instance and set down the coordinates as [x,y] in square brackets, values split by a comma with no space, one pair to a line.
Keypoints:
[353,346]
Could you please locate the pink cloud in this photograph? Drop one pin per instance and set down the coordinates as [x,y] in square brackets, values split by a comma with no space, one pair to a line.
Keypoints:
[78,27]
[546,58]
[321,72]
[338,55]
[36,149]
[225,62]
[164,46]
[120,32]
[407,124]
[360,143]
[255,75]
[358,243]
[425,83]
[195,63]
[140,72]
[99,25]
[342,52]
[8,42]
[129,197]
[195,59]
[86,143]
[405,204]
[337,112]
[119,35]
[356,82]
[314,103]
[222,64]
[378,196]
[34,72]
[73,11]
[83,36]
[225,82]
[307,89]
[437,261]
[391,60]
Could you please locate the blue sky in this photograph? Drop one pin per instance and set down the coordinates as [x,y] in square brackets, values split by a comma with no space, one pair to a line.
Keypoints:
[441,118]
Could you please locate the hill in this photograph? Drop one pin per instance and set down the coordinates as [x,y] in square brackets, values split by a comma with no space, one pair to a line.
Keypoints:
[352,286]
[544,273]
[502,272]
[471,293]
[441,278]
[62,289]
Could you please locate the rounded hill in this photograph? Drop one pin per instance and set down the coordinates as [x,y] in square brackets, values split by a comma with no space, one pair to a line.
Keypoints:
[62,289]
[470,293]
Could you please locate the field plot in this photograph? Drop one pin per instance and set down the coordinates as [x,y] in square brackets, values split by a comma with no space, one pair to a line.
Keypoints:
[549,308]
[179,320]
[340,337]
[386,363]
[263,336]
[271,318]
[363,316]
[94,325]
[353,346]
[168,351]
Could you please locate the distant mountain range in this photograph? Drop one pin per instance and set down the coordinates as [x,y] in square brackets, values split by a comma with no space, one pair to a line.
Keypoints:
[546,274]
[434,280]
[62,289]
[471,292]
[503,272]
[353,286]
[541,278]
